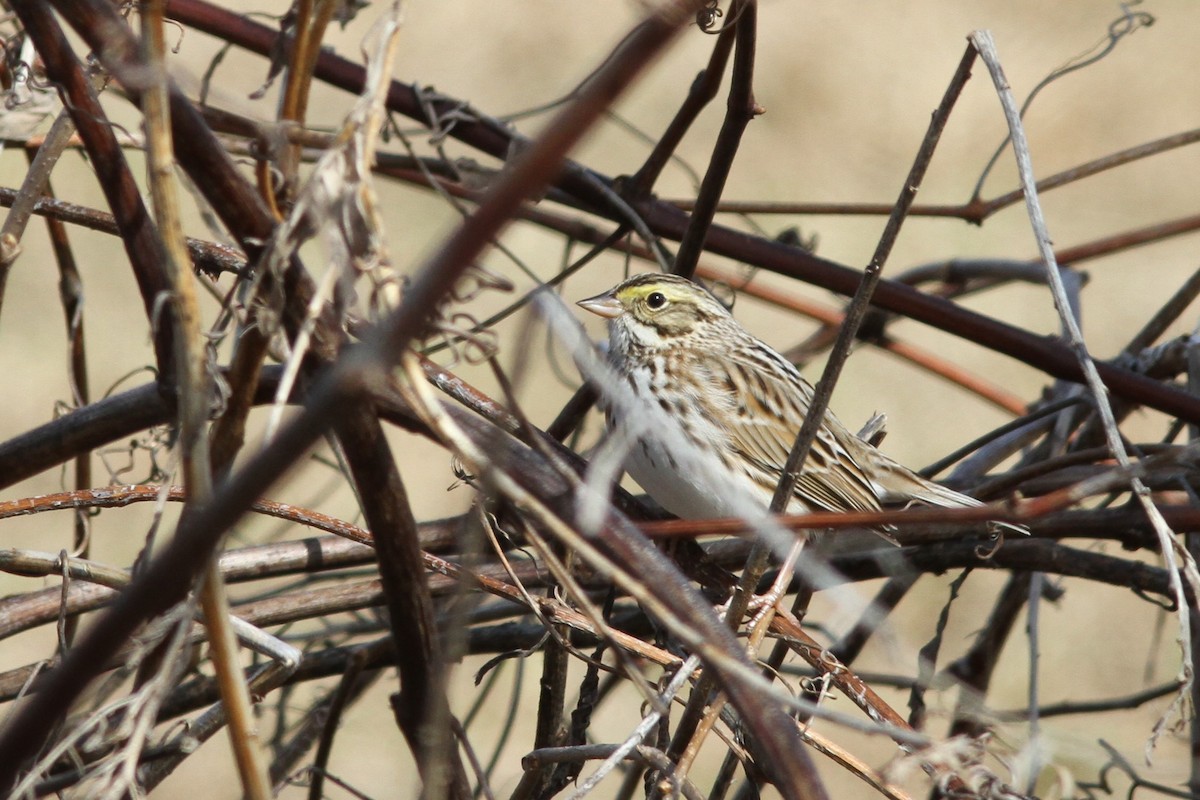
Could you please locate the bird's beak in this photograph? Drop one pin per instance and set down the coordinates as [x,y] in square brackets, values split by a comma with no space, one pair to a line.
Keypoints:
[604,305]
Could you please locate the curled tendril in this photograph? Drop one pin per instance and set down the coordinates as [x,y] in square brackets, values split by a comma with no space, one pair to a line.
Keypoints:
[1130,21]
[817,685]
[479,347]
[995,540]
[477,280]
[464,341]
[706,18]
[461,475]
[441,124]
[466,338]
[156,442]
[25,83]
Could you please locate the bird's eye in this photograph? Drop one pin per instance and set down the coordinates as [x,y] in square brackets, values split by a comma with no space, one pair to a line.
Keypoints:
[656,300]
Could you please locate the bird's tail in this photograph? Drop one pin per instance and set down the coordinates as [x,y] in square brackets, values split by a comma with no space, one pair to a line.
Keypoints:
[896,483]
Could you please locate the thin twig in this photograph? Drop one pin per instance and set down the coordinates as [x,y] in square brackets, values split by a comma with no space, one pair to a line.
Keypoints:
[1169,547]
[33,186]
[191,373]
[740,109]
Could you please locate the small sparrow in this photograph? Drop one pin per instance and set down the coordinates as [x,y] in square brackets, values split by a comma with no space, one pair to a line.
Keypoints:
[736,398]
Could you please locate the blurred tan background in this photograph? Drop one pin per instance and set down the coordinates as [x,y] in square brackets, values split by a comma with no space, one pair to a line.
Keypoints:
[848,89]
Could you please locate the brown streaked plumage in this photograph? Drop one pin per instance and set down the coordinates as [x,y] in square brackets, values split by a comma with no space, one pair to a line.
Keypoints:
[738,399]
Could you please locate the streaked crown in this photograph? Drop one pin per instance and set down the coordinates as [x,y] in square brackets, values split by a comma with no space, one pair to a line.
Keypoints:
[670,305]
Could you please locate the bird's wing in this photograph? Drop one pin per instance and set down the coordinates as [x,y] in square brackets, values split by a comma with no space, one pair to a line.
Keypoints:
[764,401]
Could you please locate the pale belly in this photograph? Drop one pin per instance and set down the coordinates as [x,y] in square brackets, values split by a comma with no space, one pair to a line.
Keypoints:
[699,492]
[697,484]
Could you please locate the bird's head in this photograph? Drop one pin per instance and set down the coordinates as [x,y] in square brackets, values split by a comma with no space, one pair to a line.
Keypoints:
[655,310]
